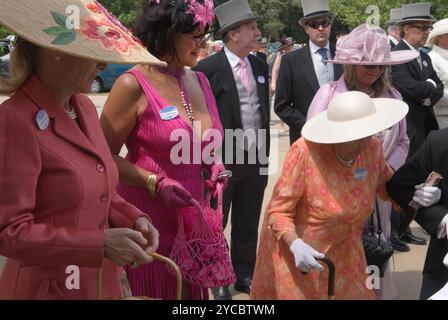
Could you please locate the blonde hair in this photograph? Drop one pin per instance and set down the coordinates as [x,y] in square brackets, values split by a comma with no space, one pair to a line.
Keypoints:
[380,86]
[21,65]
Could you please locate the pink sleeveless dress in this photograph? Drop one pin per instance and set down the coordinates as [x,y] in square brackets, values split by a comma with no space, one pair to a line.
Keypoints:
[149,147]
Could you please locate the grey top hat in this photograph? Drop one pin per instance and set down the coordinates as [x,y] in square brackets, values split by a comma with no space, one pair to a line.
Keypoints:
[416,12]
[313,9]
[395,16]
[232,14]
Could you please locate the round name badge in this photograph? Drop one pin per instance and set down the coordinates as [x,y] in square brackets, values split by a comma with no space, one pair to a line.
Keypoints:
[42,120]
[169,113]
[360,174]
[425,63]
[261,80]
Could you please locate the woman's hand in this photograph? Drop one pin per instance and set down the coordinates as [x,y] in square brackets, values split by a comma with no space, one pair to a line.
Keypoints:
[124,246]
[304,256]
[172,192]
[150,233]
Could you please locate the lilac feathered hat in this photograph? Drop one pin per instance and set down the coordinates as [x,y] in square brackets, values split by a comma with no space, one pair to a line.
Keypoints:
[367,45]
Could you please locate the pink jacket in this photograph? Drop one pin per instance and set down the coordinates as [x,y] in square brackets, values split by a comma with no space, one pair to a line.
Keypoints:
[57,195]
[395,145]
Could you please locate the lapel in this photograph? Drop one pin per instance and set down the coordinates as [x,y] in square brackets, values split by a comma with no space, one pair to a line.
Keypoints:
[261,87]
[306,63]
[229,85]
[414,63]
[63,126]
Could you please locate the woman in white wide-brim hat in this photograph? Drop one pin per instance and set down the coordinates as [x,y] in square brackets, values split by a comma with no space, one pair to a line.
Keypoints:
[366,55]
[322,200]
[61,219]
[438,41]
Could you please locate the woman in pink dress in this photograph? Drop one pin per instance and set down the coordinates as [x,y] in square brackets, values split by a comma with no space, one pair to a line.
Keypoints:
[168,120]
[365,54]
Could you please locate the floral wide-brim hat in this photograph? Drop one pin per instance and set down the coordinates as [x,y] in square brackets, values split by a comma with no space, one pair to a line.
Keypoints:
[82,28]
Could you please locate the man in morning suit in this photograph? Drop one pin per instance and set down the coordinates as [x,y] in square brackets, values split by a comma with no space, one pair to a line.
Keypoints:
[240,83]
[417,80]
[418,83]
[303,71]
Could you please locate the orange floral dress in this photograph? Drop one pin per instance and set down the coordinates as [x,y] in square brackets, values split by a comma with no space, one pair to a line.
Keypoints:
[326,204]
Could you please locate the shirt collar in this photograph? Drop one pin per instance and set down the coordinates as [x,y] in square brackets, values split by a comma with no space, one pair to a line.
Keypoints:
[234,60]
[412,48]
[395,41]
[314,47]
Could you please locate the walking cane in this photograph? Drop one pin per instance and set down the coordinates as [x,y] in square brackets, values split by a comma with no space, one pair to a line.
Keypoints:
[331,276]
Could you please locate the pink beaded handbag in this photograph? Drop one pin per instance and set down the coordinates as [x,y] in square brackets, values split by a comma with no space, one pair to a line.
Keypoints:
[200,248]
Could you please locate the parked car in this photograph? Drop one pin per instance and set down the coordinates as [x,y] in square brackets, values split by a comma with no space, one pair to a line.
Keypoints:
[4,65]
[107,77]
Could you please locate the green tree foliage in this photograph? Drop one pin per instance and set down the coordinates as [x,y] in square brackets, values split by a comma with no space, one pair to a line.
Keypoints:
[125,10]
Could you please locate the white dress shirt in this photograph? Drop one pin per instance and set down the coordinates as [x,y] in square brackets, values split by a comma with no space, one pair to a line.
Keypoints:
[324,73]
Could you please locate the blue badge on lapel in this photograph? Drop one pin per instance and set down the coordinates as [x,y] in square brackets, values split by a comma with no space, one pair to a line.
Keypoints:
[42,120]
[169,113]
[425,63]
[361,174]
[261,79]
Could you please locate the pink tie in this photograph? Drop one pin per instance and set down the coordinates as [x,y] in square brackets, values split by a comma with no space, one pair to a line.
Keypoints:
[244,75]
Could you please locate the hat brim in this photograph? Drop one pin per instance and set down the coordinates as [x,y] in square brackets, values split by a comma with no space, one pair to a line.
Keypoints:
[43,23]
[304,20]
[231,25]
[409,21]
[322,130]
[435,33]
[396,57]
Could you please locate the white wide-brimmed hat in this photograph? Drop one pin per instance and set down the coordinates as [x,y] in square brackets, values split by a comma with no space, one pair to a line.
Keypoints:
[369,45]
[353,115]
[439,28]
[416,12]
[82,28]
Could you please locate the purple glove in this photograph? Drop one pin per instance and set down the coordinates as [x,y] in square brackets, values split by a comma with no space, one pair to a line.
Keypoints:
[172,192]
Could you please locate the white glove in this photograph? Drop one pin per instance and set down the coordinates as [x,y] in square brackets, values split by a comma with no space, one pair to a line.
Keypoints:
[426,196]
[304,256]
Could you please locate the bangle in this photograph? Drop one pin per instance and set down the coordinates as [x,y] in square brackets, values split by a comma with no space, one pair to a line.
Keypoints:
[151,184]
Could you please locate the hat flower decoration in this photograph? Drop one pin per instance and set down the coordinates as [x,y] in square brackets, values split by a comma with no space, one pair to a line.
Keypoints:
[203,13]
[81,28]
[369,45]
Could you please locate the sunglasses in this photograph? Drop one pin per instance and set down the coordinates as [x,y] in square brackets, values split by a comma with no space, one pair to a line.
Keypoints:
[371,67]
[200,40]
[423,28]
[316,24]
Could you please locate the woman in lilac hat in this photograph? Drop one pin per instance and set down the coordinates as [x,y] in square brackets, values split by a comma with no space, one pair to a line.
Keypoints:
[366,55]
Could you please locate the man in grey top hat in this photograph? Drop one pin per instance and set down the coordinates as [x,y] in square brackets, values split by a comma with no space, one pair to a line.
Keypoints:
[417,80]
[418,83]
[303,71]
[393,30]
[240,83]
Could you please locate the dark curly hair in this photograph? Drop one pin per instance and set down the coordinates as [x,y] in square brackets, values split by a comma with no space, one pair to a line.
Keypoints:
[157,25]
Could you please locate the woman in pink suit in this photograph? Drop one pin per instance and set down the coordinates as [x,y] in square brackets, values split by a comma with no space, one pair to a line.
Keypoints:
[61,219]
[366,54]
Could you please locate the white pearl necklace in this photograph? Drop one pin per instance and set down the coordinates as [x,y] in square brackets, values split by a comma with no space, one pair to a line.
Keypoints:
[71,112]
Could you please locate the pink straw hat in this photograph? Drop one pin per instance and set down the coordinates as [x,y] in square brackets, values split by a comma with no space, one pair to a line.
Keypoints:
[368,45]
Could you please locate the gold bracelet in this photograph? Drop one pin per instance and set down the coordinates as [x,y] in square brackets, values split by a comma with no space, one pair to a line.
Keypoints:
[151,184]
